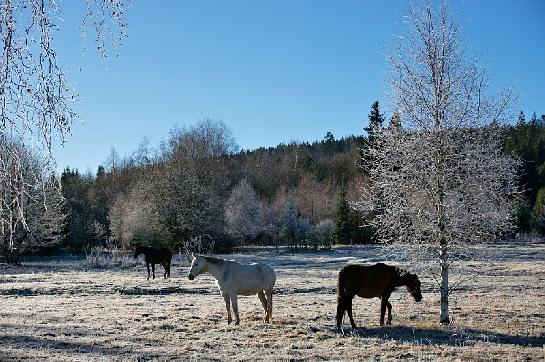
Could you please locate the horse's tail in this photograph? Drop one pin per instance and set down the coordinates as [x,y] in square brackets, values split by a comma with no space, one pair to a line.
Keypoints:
[341,294]
[340,285]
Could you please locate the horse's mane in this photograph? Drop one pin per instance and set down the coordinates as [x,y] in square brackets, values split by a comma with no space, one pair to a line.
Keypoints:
[214,260]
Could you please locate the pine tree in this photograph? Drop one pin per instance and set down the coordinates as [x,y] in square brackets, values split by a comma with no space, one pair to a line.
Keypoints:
[522,119]
[534,121]
[538,213]
[376,119]
[343,225]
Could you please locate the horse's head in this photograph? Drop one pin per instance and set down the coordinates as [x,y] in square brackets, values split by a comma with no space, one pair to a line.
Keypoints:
[413,286]
[137,251]
[198,265]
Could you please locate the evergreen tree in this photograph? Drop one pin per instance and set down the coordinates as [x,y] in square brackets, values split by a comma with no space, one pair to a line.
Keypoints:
[538,212]
[376,119]
[522,119]
[526,141]
[343,223]
[534,121]
[329,138]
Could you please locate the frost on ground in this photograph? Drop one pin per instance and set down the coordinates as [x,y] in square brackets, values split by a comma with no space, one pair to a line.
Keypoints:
[67,309]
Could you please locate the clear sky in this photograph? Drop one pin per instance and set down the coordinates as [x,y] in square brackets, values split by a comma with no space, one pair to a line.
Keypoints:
[273,71]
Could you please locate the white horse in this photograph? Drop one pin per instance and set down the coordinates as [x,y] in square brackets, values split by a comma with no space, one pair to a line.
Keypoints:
[234,278]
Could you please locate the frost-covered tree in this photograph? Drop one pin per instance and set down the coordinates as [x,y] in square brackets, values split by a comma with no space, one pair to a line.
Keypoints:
[440,179]
[36,98]
[46,218]
[190,186]
[31,206]
[133,218]
[243,216]
[324,233]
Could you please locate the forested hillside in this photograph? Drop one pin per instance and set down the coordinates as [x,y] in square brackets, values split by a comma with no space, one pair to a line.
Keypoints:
[526,139]
[199,189]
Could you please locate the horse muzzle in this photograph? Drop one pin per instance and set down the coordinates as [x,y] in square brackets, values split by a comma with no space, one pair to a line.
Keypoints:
[191,277]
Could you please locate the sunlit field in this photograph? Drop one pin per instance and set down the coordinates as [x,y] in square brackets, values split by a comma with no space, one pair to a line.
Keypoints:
[73,309]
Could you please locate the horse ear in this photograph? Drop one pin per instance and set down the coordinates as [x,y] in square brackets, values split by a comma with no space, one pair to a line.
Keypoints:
[193,255]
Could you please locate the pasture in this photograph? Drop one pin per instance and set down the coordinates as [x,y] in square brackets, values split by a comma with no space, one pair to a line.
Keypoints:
[78,310]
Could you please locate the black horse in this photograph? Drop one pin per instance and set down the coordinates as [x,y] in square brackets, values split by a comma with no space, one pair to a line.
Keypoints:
[369,281]
[154,256]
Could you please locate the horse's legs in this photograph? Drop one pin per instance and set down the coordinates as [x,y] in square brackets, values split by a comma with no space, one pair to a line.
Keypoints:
[228,306]
[153,269]
[234,303]
[382,310]
[269,294]
[389,321]
[147,266]
[263,300]
[349,310]
[168,266]
[164,264]
[340,310]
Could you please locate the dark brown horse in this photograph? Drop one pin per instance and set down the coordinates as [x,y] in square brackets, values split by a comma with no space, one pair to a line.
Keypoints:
[371,281]
[154,256]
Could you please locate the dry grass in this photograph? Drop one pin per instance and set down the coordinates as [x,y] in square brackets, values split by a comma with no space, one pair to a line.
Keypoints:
[62,309]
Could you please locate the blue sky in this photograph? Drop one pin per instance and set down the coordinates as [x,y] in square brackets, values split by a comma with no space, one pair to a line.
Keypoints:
[273,71]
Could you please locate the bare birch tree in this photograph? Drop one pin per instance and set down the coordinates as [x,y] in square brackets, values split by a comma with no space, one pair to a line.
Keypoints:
[36,98]
[31,205]
[441,177]
[243,216]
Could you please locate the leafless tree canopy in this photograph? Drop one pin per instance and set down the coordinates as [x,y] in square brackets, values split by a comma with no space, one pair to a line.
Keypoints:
[243,215]
[435,84]
[31,205]
[440,177]
[36,98]
[470,191]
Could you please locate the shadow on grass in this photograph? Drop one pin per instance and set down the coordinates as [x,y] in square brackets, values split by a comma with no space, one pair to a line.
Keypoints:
[48,342]
[21,337]
[162,291]
[445,336]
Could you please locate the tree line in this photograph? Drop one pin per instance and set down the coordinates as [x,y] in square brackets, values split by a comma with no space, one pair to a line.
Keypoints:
[199,191]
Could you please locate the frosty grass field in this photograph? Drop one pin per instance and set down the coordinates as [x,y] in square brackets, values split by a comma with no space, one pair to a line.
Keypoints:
[72,309]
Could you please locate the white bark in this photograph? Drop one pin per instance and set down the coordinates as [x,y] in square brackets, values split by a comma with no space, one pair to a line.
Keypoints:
[31,215]
[36,98]
[441,178]
[444,288]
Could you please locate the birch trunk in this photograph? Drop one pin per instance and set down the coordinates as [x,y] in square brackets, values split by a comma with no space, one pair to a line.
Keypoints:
[437,174]
[443,253]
